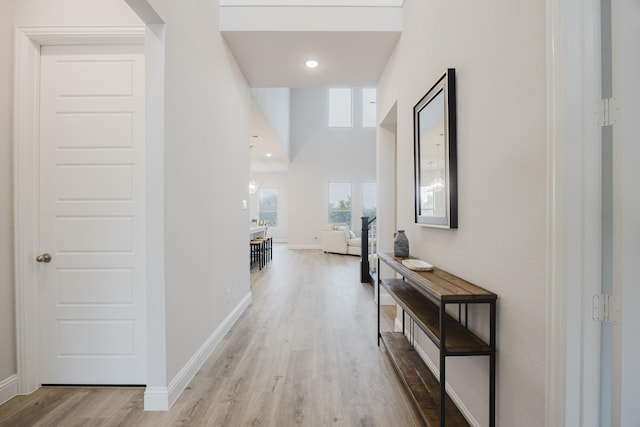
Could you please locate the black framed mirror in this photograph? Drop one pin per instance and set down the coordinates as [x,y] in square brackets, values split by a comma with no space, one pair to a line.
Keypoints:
[435,164]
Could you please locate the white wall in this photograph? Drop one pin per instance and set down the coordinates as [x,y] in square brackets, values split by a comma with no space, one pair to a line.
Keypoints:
[277,180]
[386,141]
[74,12]
[275,105]
[499,54]
[7,305]
[320,154]
[206,152]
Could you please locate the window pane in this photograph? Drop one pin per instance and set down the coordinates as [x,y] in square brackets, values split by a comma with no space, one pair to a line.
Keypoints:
[340,108]
[340,203]
[269,219]
[268,206]
[369,108]
[369,199]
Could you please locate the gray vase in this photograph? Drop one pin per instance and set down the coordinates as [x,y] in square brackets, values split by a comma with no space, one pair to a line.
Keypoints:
[401,245]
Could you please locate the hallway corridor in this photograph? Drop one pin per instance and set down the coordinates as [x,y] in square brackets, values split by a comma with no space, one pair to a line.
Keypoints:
[303,354]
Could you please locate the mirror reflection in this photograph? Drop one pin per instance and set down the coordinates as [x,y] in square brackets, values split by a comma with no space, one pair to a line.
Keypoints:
[432,158]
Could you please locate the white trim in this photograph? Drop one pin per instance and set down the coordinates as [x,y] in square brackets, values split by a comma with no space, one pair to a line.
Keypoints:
[311,3]
[27,64]
[160,398]
[573,248]
[386,299]
[555,384]
[154,198]
[452,394]
[591,210]
[156,399]
[397,325]
[44,36]
[311,18]
[8,388]
[436,371]
[25,148]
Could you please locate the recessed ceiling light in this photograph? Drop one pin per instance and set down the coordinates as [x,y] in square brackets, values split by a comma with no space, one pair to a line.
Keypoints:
[311,63]
[268,154]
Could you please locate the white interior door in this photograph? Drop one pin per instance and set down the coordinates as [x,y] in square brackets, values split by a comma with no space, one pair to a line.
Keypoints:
[92,292]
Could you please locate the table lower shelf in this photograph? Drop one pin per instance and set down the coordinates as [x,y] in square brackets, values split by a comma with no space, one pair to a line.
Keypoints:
[422,385]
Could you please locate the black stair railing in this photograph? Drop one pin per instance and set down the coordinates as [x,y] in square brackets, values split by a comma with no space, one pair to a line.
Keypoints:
[365,270]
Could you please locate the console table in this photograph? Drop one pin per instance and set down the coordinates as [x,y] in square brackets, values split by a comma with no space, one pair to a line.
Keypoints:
[424,296]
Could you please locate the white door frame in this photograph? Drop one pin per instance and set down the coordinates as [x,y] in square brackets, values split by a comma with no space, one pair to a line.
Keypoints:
[26,175]
[626,201]
[573,212]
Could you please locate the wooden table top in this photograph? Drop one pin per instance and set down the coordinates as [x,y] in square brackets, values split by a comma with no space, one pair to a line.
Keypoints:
[439,284]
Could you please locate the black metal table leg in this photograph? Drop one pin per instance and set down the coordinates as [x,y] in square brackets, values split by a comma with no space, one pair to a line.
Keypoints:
[492,366]
[443,359]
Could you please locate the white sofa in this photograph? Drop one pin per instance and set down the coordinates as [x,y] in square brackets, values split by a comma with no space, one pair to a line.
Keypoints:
[339,239]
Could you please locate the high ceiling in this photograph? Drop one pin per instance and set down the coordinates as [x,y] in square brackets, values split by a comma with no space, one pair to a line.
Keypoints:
[351,39]
[266,153]
[276,59]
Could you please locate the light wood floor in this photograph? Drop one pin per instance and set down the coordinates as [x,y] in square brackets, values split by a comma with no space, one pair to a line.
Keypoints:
[303,354]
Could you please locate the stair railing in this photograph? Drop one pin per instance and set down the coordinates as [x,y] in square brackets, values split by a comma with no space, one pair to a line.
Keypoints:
[367,248]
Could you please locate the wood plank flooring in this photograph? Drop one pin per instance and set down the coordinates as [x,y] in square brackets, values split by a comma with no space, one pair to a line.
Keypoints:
[303,354]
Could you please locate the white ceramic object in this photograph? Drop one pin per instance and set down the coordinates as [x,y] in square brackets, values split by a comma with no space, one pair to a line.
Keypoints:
[417,265]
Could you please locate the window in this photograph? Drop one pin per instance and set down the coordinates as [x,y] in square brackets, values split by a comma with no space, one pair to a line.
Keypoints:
[268,206]
[340,203]
[369,108]
[369,199]
[340,115]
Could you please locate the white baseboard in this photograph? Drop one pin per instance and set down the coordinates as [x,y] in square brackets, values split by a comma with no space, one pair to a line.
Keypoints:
[8,388]
[398,325]
[305,246]
[436,371]
[386,299]
[162,398]
[156,399]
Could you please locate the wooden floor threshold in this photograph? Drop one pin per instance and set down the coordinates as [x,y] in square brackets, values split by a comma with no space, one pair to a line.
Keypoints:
[422,385]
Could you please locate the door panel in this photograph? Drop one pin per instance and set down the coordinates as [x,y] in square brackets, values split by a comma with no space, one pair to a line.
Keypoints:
[109,182]
[93,130]
[95,286]
[92,293]
[79,235]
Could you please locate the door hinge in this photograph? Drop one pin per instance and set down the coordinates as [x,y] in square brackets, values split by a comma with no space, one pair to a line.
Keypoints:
[607,111]
[605,309]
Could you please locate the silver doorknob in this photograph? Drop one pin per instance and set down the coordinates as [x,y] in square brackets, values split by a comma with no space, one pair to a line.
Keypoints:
[43,258]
